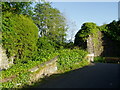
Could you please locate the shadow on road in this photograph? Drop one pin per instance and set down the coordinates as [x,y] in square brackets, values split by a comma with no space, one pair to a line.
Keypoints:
[97,75]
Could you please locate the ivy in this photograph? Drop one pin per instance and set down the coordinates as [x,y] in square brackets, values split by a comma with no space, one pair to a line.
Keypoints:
[87,29]
[19,36]
[71,59]
[112,30]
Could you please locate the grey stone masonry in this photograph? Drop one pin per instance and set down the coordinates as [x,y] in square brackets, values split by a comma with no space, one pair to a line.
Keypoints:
[44,69]
[5,62]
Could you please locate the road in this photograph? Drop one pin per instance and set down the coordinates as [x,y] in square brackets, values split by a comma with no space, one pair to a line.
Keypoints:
[98,75]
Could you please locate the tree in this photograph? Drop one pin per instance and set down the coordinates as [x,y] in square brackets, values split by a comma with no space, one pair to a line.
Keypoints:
[114,30]
[50,22]
[17,7]
[19,36]
[71,31]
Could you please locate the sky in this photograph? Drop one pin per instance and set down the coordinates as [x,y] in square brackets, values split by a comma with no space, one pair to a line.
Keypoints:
[78,13]
[119,10]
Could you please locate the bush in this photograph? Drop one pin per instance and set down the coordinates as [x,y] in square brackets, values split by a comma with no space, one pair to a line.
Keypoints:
[19,36]
[46,49]
[99,59]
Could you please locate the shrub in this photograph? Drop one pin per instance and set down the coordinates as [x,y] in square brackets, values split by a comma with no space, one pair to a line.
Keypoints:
[19,36]
[46,49]
[99,59]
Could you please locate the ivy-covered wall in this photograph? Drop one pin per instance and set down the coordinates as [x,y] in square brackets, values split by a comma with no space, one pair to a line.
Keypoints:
[94,44]
[90,38]
[103,46]
[100,40]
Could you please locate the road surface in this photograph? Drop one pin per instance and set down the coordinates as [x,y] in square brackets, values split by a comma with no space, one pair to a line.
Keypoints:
[98,75]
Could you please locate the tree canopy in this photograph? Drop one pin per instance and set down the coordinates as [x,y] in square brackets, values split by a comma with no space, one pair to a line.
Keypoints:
[20,32]
[17,7]
[50,21]
[113,30]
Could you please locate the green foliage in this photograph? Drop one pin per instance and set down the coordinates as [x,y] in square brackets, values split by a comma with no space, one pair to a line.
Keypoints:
[87,29]
[71,59]
[99,59]
[103,28]
[21,70]
[50,22]
[69,45]
[0,37]
[46,44]
[17,7]
[19,36]
[21,73]
[46,49]
[68,60]
[113,30]
[20,39]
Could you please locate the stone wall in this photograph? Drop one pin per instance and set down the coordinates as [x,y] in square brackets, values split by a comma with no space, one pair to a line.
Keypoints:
[5,62]
[40,71]
[103,45]
[94,44]
[43,70]
[111,47]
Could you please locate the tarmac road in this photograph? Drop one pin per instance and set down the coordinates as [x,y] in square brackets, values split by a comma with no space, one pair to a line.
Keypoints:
[98,75]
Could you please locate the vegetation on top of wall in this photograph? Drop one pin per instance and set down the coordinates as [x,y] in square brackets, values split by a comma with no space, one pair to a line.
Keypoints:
[87,29]
[112,30]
